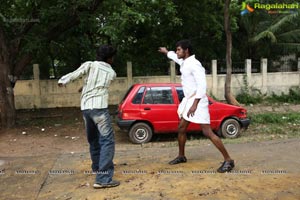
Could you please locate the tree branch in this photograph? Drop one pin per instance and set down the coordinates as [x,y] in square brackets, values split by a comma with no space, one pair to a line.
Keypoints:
[95,5]
[21,64]
[28,26]
[72,21]
[55,32]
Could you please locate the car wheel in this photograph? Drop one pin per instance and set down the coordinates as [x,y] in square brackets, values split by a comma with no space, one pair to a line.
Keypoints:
[230,128]
[140,133]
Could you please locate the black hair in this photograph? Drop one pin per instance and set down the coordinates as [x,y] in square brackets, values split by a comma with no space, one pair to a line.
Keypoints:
[185,44]
[105,52]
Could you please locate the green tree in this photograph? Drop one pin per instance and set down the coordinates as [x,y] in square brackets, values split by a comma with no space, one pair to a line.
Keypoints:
[26,29]
[141,30]
[281,37]
[262,34]
[202,23]
[227,27]
[146,26]
[65,33]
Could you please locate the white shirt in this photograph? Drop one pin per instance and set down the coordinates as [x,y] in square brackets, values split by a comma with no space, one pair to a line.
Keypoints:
[98,76]
[193,77]
[193,82]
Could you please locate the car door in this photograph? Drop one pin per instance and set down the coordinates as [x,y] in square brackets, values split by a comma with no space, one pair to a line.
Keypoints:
[159,108]
[213,111]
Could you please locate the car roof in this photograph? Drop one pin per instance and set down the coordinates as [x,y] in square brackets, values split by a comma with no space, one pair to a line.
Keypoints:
[157,84]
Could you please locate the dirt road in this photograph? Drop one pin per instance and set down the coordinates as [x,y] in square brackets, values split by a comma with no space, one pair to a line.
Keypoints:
[38,161]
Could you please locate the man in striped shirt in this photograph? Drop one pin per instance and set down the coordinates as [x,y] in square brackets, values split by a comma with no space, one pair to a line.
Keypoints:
[94,105]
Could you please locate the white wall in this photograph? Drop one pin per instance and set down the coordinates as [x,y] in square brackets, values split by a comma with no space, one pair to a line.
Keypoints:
[46,94]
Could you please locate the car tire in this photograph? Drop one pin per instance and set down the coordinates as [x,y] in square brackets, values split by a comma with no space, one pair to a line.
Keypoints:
[140,133]
[230,128]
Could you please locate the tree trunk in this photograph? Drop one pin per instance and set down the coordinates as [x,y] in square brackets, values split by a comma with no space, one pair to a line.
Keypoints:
[228,95]
[7,103]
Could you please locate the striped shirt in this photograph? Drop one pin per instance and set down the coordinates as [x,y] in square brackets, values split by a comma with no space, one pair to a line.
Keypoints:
[98,76]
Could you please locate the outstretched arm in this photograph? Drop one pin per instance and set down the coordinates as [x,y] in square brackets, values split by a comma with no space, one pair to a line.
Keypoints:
[171,54]
[163,50]
[82,70]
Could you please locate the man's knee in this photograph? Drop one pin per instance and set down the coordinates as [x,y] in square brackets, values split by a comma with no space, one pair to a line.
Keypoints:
[207,132]
[181,128]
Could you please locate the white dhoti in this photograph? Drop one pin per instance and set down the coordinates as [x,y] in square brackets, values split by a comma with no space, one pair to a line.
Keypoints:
[201,115]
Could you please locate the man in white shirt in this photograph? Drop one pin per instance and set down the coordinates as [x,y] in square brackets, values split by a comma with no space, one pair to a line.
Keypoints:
[194,106]
[94,105]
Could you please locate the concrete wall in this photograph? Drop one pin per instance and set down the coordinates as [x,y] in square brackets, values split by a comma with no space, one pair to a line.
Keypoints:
[46,94]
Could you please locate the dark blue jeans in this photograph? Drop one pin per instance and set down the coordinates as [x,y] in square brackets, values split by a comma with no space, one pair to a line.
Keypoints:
[100,136]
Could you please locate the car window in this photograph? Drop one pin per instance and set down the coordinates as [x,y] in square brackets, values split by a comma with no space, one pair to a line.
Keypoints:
[138,96]
[180,93]
[128,91]
[158,95]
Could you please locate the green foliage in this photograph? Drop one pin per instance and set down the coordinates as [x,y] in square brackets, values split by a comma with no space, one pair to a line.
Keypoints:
[49,31]
[268,35]
[248,99]
[292,97]
[249,95]
[202,22]
[137,28]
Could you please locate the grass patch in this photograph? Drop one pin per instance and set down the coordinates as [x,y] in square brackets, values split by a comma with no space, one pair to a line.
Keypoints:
[276,118]
[269,126]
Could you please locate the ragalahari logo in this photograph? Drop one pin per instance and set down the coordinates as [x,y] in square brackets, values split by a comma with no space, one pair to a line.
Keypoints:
[246,8]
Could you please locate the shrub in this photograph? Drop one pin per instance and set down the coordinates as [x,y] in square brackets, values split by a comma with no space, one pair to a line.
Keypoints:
[249,95]
[292,97]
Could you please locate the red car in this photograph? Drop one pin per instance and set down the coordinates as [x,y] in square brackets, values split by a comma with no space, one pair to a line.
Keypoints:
[152,108]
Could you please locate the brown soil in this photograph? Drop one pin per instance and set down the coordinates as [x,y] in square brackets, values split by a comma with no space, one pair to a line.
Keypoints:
[55,138]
